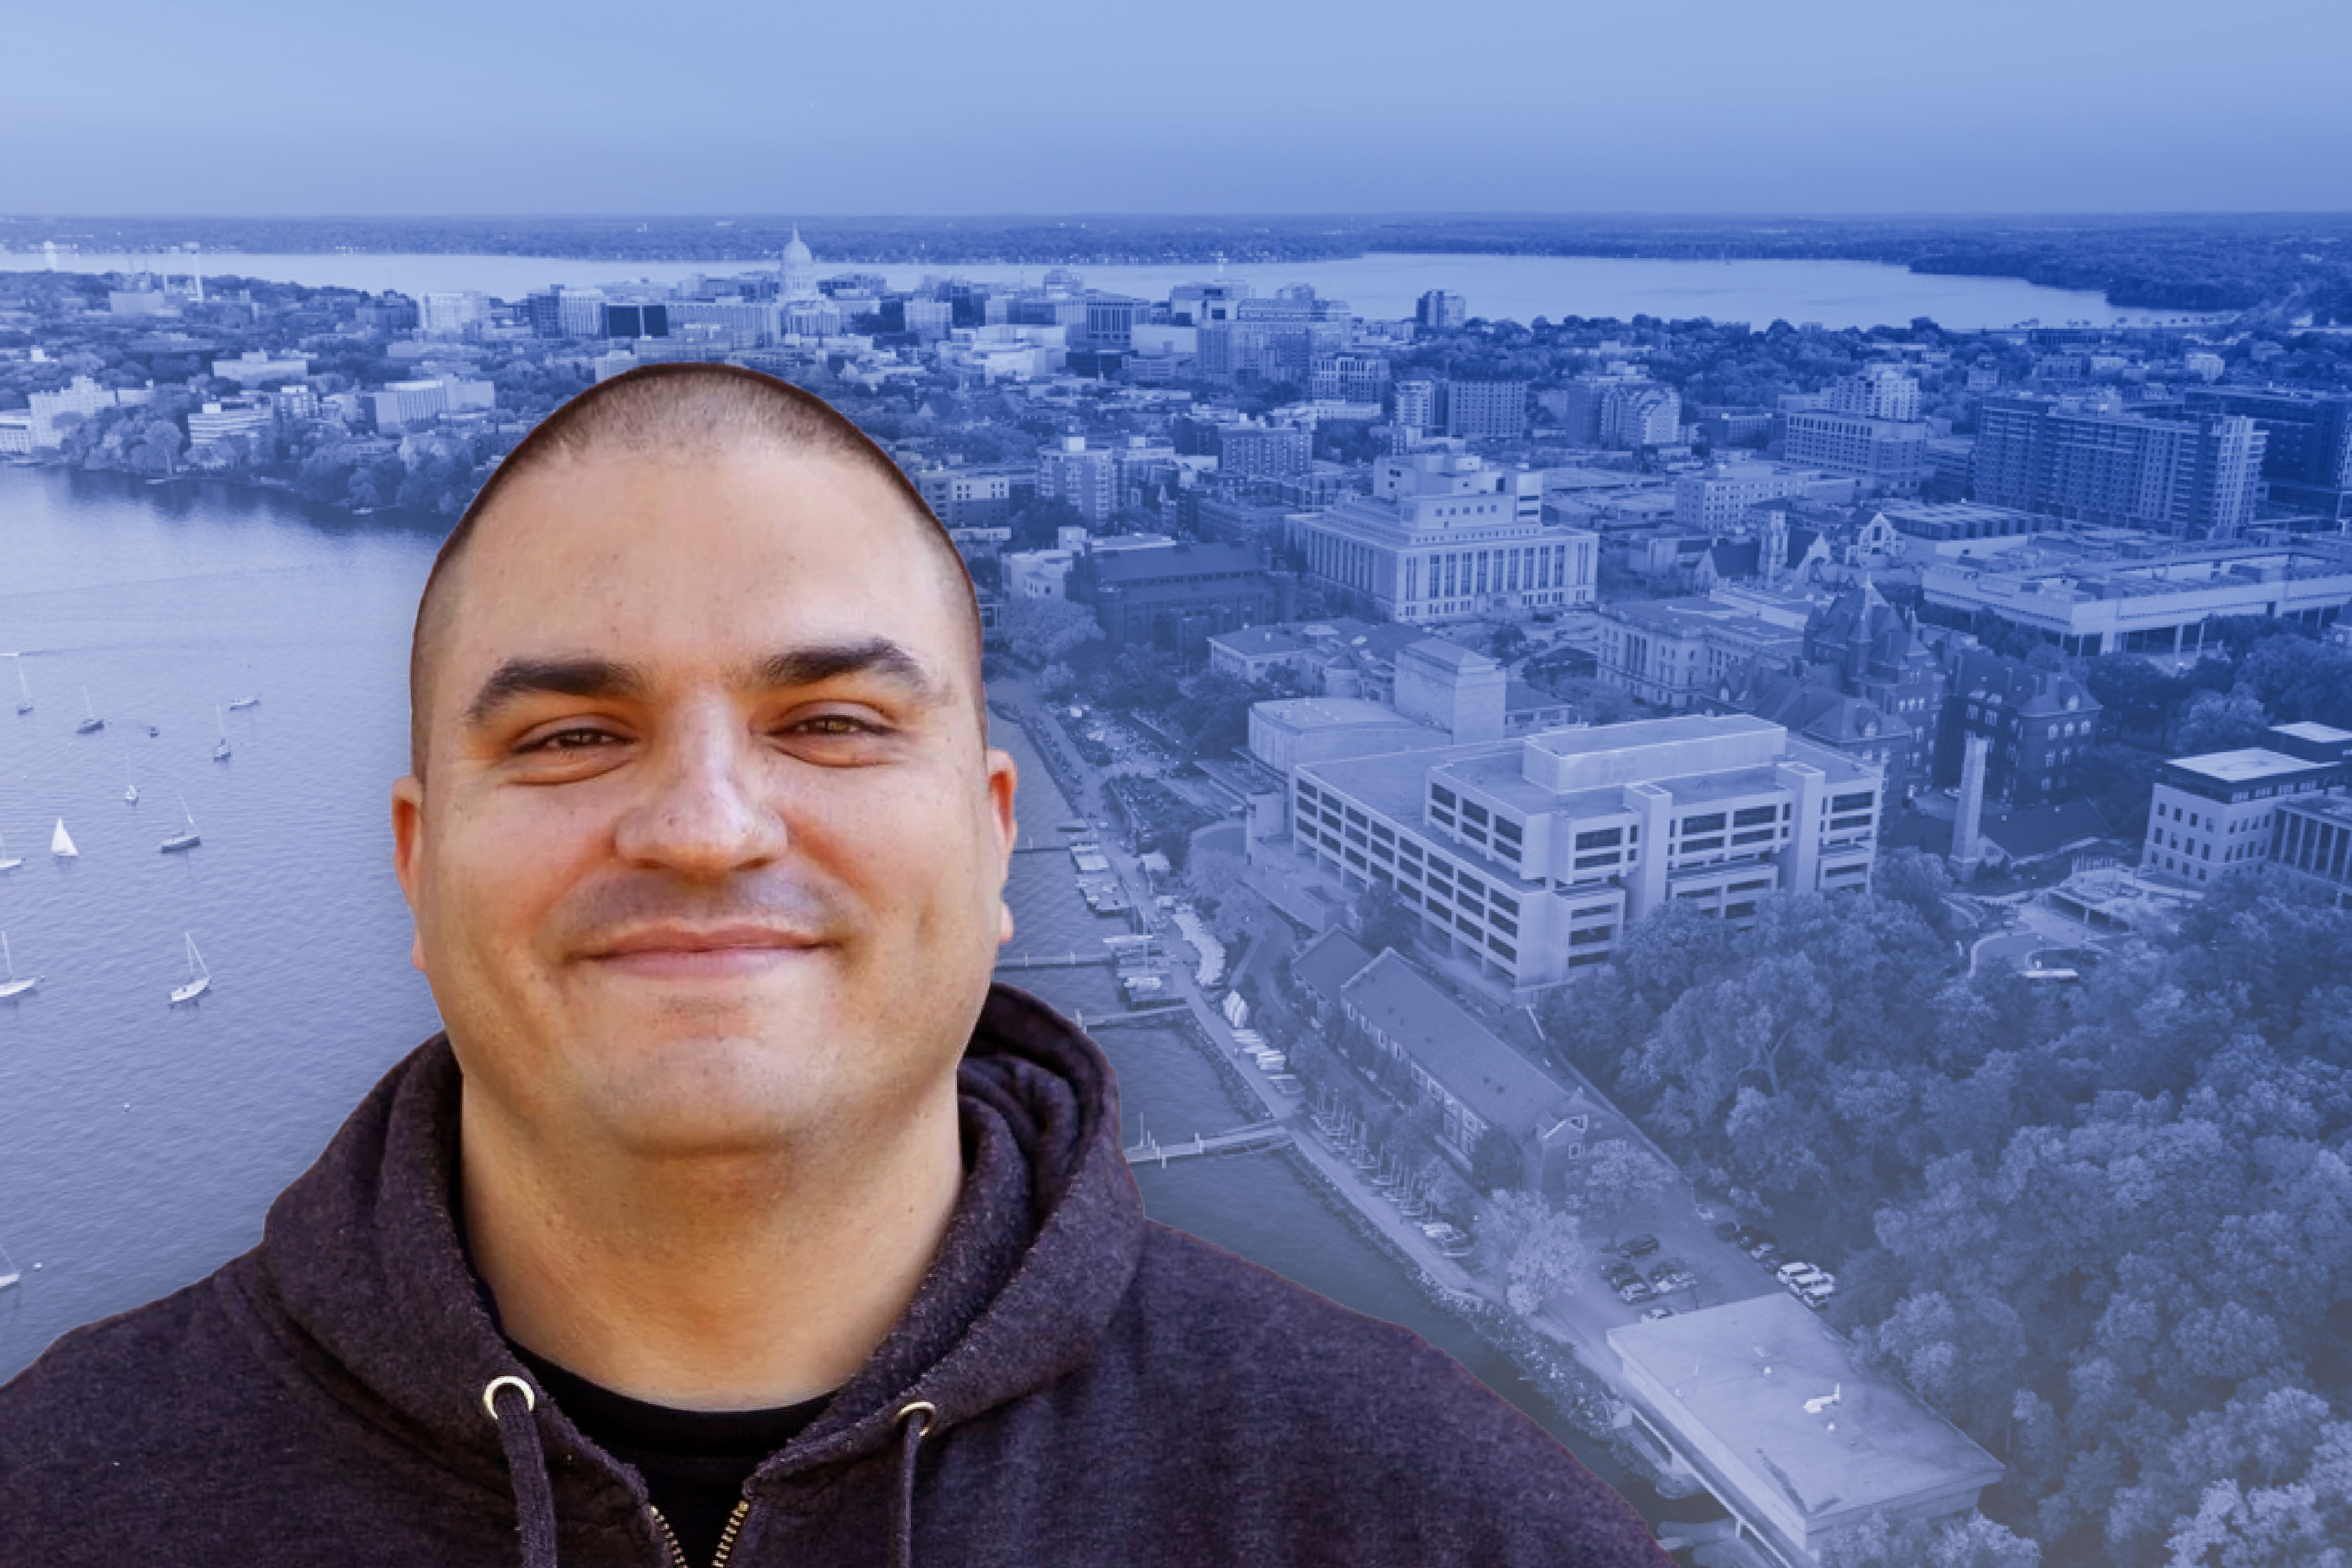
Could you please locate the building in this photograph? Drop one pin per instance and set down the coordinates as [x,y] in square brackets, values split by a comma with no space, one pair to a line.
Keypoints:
[1530,858]
[81,397]
[403,403]
[1486,410]
[2085,459]
[1478,1081]
[2311,841]
[1877,392]
[258,367]
[2156,602]
[1086,478]
[1349,378]
[2039,721]
[1637,414]
[1674,652]
[254,417]
[1888,454]
[581,312]
[796,270]
[1416,404]
[1799,1437]
[2210,815]
[1301,648]
[1260,451]
[1440,310]
[969,498]
[2306,440]
[1951,531]
[1444,537]
[1175,598]
[454,313]
[1717,498]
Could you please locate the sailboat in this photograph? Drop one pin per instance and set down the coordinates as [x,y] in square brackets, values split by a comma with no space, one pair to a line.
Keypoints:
[220,753]
[24,702]
[9,1275]
[237,702]
[61,842]
[11,987]
[93,721]
[8,861]
[187,840]
[200,979]
[129,785]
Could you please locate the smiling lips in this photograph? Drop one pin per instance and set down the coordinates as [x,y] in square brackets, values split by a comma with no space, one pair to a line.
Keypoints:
[687,952]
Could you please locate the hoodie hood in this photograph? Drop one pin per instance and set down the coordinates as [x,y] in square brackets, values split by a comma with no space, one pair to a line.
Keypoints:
[363,1257]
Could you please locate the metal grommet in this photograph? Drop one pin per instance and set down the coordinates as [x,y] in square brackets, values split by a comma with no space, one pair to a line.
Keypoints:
[911,1406]
[490,1394]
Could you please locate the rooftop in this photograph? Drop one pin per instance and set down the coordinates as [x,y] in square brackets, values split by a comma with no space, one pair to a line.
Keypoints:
[1746,1371]
[1479,1068]
[2317,733]
[2248,764]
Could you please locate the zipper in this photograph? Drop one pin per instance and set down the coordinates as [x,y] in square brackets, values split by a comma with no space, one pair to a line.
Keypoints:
[726,1538]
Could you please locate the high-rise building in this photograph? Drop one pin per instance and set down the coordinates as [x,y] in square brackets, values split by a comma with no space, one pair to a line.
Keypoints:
[1486,410]
[1637,414]
[450,314]
[1889,455]
[636,322]
[1086,478]
[1440,310]
[1349,378]
[1877,392]
[1266,452]
[2307,440]
[2086,460]
[1416,404]
[582,312]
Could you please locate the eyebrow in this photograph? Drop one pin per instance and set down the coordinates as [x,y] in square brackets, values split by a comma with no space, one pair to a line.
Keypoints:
[589,676]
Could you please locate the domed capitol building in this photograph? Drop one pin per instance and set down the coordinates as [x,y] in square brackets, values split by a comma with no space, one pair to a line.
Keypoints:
[797,270]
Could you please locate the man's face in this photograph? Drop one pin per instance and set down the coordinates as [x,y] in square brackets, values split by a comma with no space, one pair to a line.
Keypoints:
[711,854]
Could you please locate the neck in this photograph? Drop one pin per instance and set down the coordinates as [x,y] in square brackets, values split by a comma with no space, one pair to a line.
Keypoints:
[727,1281]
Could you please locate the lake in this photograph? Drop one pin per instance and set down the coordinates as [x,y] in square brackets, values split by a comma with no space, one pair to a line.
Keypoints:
[1382,286]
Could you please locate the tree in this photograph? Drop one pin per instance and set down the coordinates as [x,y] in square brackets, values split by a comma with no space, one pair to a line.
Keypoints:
[1382,920]
[1034,633]
[1506,643]
[1531,1247]
[1616,1177]
[2215,722]
[1919,882]
[1039,524]
[1496,1163]
[1969,1540]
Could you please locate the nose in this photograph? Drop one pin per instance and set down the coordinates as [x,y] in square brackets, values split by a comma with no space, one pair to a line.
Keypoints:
[708,805]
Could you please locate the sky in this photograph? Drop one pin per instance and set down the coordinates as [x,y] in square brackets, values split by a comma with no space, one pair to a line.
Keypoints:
[428,107]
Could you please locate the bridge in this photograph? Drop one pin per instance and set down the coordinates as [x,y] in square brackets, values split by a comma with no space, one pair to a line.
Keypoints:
[1241,1140]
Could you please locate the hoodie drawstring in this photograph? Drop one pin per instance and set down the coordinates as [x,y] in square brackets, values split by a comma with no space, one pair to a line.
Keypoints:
[916,1416]
[534,1494]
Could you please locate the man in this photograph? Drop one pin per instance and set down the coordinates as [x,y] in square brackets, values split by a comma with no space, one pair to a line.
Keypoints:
[737,1218]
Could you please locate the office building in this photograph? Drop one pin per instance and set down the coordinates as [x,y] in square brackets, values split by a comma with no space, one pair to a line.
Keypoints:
[2085,459]
[452,314]
[255,418]
[1717,499]
[1674,652]
[1531,857]
[1416,404]
[1349,378]
[1259,451]
[1877,392]
[1888,454]
[1444,537]
[1440,310]
[2209,815]
[2156,602]
[969,498]
[581,312]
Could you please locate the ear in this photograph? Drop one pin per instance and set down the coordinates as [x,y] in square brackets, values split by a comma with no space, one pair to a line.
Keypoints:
[408,853]
[1003,775]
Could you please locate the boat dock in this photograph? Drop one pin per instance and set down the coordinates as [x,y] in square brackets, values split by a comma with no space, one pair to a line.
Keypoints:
[1259,1135]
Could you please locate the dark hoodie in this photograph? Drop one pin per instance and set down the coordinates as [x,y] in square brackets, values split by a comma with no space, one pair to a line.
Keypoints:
[1072,1384]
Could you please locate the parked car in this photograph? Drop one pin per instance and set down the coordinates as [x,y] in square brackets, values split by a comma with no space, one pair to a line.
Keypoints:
[1640,1247]
[1792,1272]
[1754,1236]
[1766,1253]
[1636,1290]
[1452,1240]
[1654,1313]
[1674,1274]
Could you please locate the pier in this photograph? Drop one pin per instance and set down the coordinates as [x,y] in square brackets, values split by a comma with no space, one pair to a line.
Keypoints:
[1258,1135]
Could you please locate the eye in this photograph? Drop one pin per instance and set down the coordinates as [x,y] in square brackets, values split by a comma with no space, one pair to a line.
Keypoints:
[835,725]
[572,740]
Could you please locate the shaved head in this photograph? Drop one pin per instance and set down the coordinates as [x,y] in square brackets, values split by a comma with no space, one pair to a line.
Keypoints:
[681,413]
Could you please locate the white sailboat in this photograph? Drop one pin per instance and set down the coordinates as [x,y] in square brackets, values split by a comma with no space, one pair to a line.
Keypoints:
[220,753]
[11,987]
[237,702]
[8,861]
[24,700]
[200,979]
[9,1275]
[129,785]
[61,843]
[187,840]
[89,724]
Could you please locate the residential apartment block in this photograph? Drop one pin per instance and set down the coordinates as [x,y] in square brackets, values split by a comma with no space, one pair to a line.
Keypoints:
[2087,461]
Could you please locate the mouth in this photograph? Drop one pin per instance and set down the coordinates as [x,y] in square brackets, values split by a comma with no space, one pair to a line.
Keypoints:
[720,953]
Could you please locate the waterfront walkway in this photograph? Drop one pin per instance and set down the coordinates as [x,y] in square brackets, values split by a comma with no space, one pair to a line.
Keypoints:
[1258,1135]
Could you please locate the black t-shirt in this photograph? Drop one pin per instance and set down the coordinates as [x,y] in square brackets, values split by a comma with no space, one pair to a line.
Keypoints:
[695,1462]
